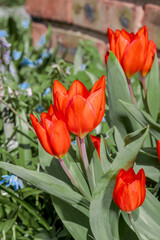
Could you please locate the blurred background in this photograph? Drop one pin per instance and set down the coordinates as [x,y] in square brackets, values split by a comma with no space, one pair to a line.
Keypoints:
[72,20]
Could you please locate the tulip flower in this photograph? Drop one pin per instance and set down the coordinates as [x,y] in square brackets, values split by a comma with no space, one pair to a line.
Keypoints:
[149,59]
[129,48]
[97,142]
[129,191]
[52,133]
[81,110]
[158,148]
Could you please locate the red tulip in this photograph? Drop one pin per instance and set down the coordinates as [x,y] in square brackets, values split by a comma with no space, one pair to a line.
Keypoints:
[97,142]
[129,48]
[81,110]
[149,59]
[52,133]
[129,191]
[158,148]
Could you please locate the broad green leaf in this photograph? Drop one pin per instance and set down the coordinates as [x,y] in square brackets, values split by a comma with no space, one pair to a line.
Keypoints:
[5,226]
[143,118]
[75,221]
[153,89]
[49,184]
[146,216]
[104,158]
[101,204]
[52,166]
[24,148]
[118,89]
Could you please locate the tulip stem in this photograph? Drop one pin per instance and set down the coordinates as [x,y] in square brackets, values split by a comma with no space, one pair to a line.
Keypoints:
[133,225]
[131,91]
[86,163]
[72,178]
[144,86]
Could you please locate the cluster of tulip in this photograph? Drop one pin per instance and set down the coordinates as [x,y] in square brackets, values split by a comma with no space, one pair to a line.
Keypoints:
[79,111]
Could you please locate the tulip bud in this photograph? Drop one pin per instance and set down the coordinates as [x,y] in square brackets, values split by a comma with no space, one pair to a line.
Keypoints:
[129,191]
[52,133]
[97,142]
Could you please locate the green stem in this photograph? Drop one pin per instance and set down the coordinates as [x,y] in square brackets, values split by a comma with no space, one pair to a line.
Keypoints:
[86,163]
[131,91]
[72,178]
[144,87]
[134,226]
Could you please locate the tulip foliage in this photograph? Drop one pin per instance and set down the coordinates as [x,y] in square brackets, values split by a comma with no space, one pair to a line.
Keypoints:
[105,186]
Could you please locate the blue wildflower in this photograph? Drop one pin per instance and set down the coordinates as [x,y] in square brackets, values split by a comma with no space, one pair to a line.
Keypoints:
[24,85]
[12,180]
[3,33]
[42,40]
[45,54]
[103,119]
[46,92]
[16,55]
[83,67]
[39,109]
[25,23]
[27,62]
[74,142]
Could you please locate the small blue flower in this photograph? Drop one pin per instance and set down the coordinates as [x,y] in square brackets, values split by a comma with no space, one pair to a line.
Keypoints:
[24,85]
[27,62]
[74,142]
[3,33]
[42,40]
[83,67]
[25,23]
[45,54]
[103,119]
[16,55]
[39,109]
[12,180]
[46,92]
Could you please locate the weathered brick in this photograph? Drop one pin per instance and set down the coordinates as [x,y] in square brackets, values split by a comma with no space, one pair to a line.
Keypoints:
[59,10]
[152,20]
[99,15]
[67,40]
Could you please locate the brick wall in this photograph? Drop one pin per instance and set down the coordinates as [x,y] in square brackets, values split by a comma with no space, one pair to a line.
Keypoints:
[73,20]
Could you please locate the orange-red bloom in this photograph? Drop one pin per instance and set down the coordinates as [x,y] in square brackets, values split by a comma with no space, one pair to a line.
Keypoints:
[158,148]
[129,48]
[149,59]
[81,110]
[97,142]
[52,133]
[129,191]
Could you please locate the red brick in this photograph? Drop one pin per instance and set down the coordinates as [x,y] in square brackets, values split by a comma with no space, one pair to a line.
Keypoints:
[104,14]
[67,39]
[59,10]
[152,20]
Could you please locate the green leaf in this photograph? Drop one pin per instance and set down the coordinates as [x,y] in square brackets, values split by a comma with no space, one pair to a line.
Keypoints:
[78,59]
[118,89]
[153,89]
[101,209]
[75,221]
[143,118]
[146,216]
[48,184]
[104,158]
[24,148]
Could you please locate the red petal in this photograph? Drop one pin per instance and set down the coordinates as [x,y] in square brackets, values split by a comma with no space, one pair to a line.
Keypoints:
[97,142]
[111,37]
[134,57]
[60,139]
[129,176]
[149,59]
[41,134]
[61,101]
[78,88]
[97,100]
[43,117]
[122,43]
[101,83]
[58,87]
[80,116]
[51,110]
